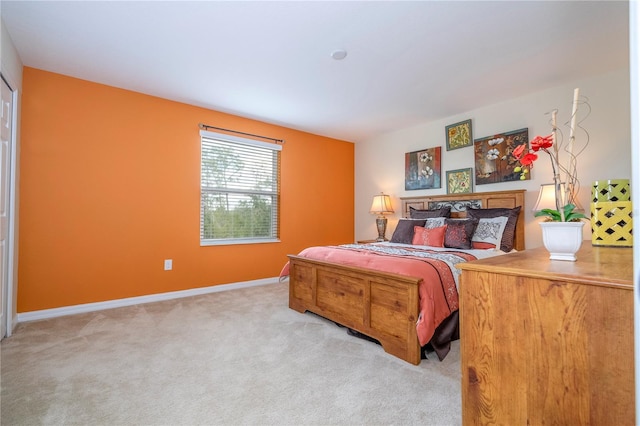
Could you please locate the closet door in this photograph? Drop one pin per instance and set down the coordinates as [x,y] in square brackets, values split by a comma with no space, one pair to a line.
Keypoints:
[5,179]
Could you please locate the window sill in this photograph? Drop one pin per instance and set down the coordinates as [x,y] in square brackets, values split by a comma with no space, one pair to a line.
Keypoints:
[232,242]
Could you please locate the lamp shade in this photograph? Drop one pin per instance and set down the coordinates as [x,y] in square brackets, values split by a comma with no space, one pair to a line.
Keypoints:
[381,204]
[546,198]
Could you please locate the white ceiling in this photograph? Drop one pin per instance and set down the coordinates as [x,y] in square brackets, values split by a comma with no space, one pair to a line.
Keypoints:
[407,62]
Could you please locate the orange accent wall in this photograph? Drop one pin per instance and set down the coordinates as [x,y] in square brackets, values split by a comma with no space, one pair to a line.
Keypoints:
[109,188]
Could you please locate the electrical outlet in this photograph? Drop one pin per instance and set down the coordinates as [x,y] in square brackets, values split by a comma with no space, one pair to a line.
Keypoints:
[168,264]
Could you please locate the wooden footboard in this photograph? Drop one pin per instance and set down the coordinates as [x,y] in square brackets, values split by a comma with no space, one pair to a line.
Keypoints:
[381,305]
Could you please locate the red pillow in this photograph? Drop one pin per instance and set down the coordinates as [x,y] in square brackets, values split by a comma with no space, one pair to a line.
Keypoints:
[433,237]
[482,246]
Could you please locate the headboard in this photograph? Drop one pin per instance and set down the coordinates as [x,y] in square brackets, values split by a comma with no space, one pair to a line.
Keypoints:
[460,202]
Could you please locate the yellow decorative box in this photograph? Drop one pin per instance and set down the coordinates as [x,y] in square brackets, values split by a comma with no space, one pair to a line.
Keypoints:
[611,213]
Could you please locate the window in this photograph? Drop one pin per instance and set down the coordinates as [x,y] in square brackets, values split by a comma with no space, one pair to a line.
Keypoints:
[239,190]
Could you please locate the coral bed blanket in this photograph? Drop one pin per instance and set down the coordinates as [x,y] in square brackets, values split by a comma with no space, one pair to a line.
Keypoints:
[438,289]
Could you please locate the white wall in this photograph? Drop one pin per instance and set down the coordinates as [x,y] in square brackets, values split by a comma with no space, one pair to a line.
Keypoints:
[380,161]
[11,63]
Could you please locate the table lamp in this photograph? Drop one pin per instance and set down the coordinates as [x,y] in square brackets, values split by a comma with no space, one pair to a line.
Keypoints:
[381,205]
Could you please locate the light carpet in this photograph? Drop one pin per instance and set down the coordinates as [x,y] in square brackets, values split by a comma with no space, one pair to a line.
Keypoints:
[239,357]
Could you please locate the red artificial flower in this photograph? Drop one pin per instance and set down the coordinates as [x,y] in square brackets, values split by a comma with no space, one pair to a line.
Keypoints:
[518,151]
[541,142]
[528,159]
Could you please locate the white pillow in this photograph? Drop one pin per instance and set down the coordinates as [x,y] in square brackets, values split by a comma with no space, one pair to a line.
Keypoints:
[434,222]
[490,230]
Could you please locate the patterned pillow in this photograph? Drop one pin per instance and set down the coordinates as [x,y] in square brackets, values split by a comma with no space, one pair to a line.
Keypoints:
[459,233]
[424,214]
[433,237]
[488,233]
[509,233]
[434,222]
[404,230]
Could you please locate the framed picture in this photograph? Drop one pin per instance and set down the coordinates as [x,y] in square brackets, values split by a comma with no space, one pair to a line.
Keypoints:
[460,181]
[493,156]
[422,169]
[459,135]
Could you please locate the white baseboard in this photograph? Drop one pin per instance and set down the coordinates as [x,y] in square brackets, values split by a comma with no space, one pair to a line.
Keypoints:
[118,303]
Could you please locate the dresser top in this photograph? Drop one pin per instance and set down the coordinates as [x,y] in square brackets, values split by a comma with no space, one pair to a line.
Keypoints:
[604,266]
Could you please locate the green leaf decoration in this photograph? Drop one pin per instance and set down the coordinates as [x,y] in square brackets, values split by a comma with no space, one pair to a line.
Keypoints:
[570,215]
[555,216]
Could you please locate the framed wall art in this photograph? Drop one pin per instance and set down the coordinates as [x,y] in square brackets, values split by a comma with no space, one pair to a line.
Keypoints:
[422,169]
[493,156]
[460,181]
[459,135]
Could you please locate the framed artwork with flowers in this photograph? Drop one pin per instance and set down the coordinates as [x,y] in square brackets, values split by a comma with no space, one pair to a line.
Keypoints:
[460,181]
[422,169]
[459,135]
[494,158]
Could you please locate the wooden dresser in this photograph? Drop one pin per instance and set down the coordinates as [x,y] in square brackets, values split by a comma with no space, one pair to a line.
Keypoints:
[548,342]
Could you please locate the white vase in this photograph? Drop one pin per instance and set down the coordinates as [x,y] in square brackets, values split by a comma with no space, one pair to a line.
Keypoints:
[562,239]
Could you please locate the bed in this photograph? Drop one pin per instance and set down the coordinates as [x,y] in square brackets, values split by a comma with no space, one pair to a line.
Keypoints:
[383,305]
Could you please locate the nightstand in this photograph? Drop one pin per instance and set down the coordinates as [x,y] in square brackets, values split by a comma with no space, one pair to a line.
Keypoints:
[366,241]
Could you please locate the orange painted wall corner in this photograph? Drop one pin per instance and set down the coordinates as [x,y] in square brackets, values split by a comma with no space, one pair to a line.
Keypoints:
[109,188]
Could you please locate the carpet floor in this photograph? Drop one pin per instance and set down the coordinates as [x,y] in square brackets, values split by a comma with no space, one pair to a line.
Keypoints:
[238,357]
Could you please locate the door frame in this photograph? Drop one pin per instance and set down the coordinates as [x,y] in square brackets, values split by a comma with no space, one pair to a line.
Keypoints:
[10,299]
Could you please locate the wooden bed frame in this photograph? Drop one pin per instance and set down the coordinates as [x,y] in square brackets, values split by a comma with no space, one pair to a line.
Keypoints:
[381,305]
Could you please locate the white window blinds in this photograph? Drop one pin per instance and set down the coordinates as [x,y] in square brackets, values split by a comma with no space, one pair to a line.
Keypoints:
[239,190]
